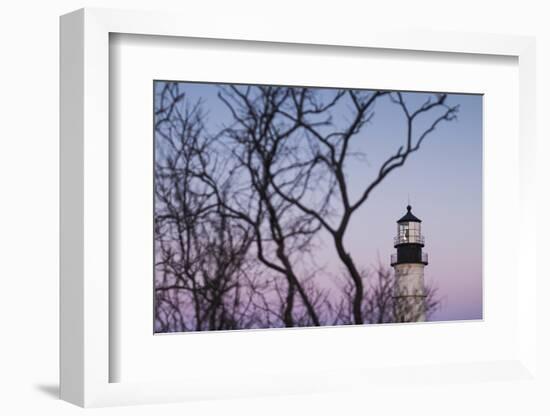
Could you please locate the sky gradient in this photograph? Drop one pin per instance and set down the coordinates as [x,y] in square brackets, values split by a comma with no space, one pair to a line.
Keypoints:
[442,181]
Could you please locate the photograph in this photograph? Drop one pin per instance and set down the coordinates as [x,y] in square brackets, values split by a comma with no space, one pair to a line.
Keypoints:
[281,206]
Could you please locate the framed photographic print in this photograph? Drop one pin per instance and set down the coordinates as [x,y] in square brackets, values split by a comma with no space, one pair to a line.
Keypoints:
[282,213]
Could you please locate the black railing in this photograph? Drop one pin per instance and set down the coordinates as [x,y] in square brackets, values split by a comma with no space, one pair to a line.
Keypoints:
[404,239]
[423,259]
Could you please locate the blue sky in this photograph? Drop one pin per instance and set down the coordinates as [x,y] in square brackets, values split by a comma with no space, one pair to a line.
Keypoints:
[443,182]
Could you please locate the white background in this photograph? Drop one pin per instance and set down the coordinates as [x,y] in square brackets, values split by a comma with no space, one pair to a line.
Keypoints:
[29,210]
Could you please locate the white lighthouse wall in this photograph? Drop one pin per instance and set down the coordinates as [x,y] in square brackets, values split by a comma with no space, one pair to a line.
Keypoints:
[409,279]
[409,293]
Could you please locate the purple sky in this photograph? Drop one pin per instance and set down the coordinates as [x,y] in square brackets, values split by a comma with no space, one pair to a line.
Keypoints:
[443,181]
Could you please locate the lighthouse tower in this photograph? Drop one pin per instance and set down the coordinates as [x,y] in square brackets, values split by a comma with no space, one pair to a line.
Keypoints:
[408,263]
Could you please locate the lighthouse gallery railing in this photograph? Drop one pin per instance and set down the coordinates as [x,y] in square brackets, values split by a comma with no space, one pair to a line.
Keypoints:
[393,259]
[411,238]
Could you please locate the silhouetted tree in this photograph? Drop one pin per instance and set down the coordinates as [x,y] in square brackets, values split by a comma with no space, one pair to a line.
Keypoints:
[330,150]
[239,210]
[202,279]
[380,304]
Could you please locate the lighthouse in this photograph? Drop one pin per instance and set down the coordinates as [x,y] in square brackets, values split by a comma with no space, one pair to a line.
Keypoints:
[408,263]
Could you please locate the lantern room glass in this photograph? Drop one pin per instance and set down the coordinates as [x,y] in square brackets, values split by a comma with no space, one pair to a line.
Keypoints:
[409,232]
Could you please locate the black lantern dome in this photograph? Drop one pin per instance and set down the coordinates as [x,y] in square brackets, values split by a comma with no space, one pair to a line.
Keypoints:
[408,217]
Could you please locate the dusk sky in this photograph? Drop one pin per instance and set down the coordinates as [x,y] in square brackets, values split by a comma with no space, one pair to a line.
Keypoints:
[442,181]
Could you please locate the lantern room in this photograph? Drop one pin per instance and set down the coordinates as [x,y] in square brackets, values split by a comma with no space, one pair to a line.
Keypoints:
[408,229]
[409,240]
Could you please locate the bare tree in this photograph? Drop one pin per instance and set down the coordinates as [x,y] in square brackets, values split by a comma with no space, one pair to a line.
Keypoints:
[202,264]
[239,210]
[330,145]
[380,305]
[262,144]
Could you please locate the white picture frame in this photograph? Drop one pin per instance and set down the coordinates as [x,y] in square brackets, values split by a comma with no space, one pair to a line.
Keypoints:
[85,211]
